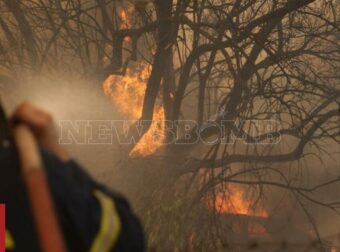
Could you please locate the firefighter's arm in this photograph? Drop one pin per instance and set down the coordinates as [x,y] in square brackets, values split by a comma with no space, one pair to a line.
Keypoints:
[92,217]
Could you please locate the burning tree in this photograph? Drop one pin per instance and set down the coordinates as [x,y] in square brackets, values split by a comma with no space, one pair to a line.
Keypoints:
[226,98]
[235,64]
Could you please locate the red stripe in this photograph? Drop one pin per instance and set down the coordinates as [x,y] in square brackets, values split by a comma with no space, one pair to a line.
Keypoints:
[2,227]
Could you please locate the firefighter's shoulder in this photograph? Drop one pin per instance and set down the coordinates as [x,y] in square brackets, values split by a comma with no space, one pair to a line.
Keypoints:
[103,219]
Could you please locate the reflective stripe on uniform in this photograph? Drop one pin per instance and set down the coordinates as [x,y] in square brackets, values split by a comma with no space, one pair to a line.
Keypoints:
[110,224]
[9,242]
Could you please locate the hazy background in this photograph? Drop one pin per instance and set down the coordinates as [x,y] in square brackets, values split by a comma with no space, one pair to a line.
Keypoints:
[81,100]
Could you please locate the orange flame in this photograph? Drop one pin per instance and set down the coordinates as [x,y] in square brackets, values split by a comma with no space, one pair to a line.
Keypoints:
[235,201]
[127,94]
[125,14]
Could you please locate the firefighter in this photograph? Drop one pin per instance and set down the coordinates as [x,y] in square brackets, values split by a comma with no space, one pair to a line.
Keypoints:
[90,216]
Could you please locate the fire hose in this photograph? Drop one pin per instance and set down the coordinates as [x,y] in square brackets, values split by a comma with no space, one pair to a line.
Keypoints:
[41,203]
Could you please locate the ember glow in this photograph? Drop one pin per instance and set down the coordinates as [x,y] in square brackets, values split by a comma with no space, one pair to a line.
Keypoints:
[235,201]
[127,94]
[125,13]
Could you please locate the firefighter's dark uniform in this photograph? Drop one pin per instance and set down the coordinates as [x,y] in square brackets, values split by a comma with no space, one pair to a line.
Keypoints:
[92,217]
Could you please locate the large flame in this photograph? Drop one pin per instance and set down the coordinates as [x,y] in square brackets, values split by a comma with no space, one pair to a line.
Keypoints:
[234,200]
[127,94]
